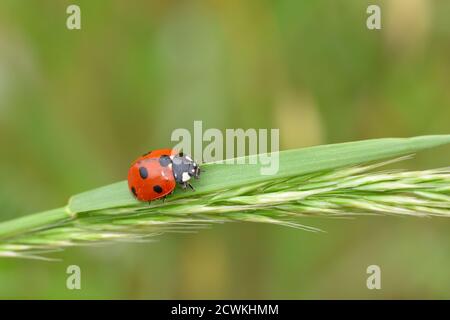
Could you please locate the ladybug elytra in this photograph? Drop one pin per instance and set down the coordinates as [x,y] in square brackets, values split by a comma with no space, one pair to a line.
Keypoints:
[155,174]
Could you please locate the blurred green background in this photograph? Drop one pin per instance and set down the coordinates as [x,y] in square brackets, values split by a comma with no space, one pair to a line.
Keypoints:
[77,106]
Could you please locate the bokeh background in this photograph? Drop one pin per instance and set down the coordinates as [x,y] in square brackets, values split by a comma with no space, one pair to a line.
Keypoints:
[77,106]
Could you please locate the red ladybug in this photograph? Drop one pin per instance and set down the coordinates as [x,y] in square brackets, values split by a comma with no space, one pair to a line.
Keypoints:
[155,174]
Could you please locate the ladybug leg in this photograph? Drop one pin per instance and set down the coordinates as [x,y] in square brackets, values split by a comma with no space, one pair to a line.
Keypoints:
[197,174]
[191,186]
[184,186]
[164,199]
[149,203]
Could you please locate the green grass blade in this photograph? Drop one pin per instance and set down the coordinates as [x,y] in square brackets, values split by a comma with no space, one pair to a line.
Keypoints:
[332,180]
[32,222]
[292,163]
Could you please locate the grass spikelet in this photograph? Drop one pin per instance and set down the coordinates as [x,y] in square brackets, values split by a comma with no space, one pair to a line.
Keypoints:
[331,181]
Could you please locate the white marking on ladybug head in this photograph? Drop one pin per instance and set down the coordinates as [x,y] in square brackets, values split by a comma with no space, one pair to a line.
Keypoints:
[188,158]
[185,177]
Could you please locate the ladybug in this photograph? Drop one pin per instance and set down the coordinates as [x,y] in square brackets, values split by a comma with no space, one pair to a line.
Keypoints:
[155,174]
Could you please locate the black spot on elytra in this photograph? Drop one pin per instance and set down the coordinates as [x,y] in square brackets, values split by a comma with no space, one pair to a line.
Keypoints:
[134,191]
[143,172]
[164,160]
[157,189]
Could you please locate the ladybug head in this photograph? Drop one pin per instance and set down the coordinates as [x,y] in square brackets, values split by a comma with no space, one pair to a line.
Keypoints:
[184,168]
